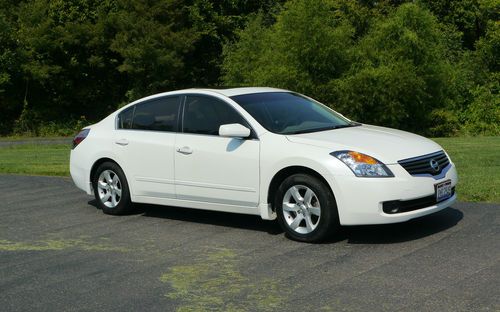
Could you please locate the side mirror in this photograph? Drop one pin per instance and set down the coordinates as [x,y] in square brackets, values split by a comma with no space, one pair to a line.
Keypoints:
[234,131]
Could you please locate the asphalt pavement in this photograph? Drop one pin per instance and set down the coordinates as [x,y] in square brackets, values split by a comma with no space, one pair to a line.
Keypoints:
[58,252]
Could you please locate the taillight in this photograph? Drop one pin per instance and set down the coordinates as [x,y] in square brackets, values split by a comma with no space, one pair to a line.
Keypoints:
[80,137]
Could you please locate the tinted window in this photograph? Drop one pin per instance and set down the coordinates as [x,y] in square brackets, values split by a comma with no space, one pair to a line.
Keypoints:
[204,115]
[290,113]
[125,118]
[158,115]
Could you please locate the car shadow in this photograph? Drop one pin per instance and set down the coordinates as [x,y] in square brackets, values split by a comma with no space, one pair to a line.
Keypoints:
[225,219]
[363,234]
[402,232]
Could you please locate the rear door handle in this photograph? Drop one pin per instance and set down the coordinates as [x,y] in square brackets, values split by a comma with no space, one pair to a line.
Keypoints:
[186,150]
[122,142]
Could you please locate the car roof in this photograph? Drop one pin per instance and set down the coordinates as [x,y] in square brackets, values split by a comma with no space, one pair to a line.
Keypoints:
[244,90]
[225,92]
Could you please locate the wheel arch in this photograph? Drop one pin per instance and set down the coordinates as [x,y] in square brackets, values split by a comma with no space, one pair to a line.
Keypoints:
[284,173]
[100,161]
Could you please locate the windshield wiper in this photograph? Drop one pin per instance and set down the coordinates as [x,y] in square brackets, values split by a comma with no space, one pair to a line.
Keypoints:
[324,128]
[354,124]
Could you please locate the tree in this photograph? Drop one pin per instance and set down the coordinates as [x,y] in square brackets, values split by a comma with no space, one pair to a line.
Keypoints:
[401,69]
[470,17]
[412,65]
[306,47]
[395,73]
[67,68]
[60,59]
[11,80]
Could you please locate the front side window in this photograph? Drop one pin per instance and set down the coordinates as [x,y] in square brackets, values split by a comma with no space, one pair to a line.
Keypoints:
[204,115]
[290,113]
[157,115]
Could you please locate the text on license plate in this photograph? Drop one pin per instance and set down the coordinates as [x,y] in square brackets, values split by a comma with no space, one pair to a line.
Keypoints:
[443,190]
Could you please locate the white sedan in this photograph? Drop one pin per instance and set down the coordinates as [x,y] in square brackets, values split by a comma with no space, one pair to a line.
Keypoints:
[260,151]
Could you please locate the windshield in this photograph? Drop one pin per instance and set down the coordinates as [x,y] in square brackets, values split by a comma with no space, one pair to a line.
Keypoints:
[290,113]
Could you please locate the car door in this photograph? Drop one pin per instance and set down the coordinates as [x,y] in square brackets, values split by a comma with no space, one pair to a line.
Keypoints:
[210,168]
[145,139]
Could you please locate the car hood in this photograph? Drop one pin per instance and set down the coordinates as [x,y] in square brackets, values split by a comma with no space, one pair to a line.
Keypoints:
[385,144]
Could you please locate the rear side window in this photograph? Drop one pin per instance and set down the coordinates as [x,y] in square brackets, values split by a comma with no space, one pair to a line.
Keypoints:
[125,118]
[204,115]
[157,115]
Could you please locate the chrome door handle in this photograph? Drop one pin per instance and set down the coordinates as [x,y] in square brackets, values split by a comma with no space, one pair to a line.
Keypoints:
[122,142]
[186,150]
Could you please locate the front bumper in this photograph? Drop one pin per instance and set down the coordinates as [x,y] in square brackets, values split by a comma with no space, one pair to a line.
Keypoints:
[360,200]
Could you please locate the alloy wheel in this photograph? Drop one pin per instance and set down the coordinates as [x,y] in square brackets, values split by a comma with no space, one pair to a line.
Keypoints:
[110,188]
[301,209]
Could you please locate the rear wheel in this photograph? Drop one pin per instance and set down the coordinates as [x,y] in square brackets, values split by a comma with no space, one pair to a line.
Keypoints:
[306,208]
[111,189]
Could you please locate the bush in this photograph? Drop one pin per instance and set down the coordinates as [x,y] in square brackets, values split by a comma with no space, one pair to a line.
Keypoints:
[29,124]
[444,123]
[482,117]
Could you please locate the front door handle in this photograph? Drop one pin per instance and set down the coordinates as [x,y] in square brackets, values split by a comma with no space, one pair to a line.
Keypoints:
[122,142]
[186,150]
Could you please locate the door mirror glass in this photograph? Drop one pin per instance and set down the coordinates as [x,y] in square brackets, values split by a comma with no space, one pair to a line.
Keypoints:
[234,130]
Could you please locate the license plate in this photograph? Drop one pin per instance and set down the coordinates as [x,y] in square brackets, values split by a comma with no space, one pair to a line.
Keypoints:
[443,190]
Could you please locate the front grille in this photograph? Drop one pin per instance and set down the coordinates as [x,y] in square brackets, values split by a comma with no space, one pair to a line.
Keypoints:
[422,164]
[399,206]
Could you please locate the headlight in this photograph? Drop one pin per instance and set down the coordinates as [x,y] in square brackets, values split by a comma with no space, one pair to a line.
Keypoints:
[363,165]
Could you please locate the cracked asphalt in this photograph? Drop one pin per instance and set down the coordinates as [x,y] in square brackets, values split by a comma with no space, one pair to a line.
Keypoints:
[58,252]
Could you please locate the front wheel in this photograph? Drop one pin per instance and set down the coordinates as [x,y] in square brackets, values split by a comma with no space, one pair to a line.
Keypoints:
[306,208]
[111,189]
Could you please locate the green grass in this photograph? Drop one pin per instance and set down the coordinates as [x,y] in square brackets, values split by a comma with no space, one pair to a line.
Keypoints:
[35,159]
[31,138]
[476,159]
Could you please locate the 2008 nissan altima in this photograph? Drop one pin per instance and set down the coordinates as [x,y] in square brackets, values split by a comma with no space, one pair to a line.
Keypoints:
[261,151]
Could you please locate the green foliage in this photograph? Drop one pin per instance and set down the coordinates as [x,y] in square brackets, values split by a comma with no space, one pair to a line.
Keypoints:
[395,73]
[216,23]
[11,81]
[385,94]
[482,116]
[469,17]
[67,71]
[426,66]
[382,63]
[488,47]
[444,122]
[30,124]
[307,46]
[63,59]
[152,57]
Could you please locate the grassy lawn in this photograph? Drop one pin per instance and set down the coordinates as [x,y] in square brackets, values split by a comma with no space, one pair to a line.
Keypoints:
[476,159]
[35,159]
[478,167]
[26,138]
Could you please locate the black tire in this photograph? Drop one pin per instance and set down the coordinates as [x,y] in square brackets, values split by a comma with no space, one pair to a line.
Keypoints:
[328,221]
[124,205]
